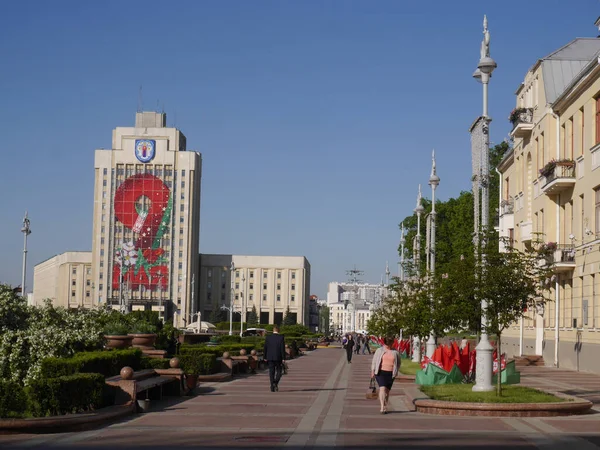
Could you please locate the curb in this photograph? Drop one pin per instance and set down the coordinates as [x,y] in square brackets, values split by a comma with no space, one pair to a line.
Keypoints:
[420,402]
[70,422]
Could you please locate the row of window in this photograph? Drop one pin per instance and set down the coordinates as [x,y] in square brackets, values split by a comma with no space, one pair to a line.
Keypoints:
[250,274]
[250,297]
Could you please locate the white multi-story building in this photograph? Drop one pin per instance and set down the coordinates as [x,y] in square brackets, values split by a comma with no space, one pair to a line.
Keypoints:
[147,219]
[65,279]
[351,304]
[270,283]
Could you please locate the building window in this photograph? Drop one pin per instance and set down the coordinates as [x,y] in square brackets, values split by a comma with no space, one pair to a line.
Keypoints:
[237,285]
[279,275]
[181,219]
[265,286]
[72,293]
[222,296]
[181,231]
[223,274]
[87,293]
[101,275]
[73,282]
[237,273]
[278,297]
[264,297]
[181,242]
[209,285]
[598,120]
[293,287]
[103,184]
[251,297]
[209,296]
[278,286]
[252,274]
[101,286]
[293,298]
[87,282]
[183,173]
[251,286]
[293,275]
[74,271]
[183,184]
[209,271]
[597,210]
[182,207]
[265,275]
[104,171]
[222,285]
[237,296]
[180,266]
[88,271]
[102,252]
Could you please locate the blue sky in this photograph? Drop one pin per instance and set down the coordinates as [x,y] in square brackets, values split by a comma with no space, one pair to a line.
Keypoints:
[315,119]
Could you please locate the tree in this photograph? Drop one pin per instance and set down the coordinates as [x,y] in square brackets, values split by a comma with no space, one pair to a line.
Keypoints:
[253,317]
[324,319]
[288,318]
[512,282]
[217,315]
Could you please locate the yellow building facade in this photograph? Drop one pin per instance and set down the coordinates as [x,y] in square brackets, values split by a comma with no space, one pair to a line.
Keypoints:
[550,195]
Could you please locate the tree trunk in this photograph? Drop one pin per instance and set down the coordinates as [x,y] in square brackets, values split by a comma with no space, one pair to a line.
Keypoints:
[499,374]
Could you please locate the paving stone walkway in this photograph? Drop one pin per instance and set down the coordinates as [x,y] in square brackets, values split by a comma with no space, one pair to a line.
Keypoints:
[321,404]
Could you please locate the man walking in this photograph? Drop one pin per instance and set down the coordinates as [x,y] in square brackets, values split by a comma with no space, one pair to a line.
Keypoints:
[274,353]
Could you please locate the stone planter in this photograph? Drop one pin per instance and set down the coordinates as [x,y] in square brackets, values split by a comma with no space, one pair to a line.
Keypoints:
[118,341]
[191,381]
[143,341]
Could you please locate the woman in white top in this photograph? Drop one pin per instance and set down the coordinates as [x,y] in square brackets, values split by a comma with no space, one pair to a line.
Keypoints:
[384,367]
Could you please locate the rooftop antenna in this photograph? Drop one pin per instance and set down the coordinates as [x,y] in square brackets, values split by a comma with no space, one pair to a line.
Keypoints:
[353,274]
[140,101]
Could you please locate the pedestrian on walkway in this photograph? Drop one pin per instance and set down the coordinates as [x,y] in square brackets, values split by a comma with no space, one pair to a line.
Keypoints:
[349,346]
[274,353]
[384,367]
[366,346]
[358,343]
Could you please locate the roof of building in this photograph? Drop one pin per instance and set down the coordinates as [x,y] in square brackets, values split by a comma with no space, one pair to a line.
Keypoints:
[563,65]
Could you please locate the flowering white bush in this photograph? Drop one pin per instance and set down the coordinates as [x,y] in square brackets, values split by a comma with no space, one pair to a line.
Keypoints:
[30,334]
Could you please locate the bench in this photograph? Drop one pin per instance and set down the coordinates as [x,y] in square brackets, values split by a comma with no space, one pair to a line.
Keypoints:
[132,385]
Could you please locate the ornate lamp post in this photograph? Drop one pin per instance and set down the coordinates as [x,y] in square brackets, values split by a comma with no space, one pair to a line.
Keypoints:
[480,142]
[417,258]
[231,300]
[26,232]
[402,242]
[242,305]
[434,181]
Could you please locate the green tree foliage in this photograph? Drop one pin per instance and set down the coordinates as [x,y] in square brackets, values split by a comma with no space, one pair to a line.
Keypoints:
[253,317]
[288,318]
[218,315]
[324,319]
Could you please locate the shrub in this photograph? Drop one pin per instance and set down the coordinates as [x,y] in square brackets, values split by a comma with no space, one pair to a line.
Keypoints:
[154,363]
[65,395]
[116,329]
[13,400]
[229,339]
[296,329]
[218,350]
[143,327]
[198,364]
[107,363]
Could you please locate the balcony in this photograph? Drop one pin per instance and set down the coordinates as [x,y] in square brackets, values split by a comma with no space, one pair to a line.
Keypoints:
[563,258]
[558,178]
[507,206]
[526,231]
[522,120]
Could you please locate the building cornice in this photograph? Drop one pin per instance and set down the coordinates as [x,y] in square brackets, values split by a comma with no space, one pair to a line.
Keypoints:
[583,81]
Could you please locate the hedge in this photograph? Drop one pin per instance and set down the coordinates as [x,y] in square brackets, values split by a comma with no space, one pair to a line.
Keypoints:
[155,363]
[13,400]
[198,364]
[229,339]
[66,395]
[108,363]
[216,350]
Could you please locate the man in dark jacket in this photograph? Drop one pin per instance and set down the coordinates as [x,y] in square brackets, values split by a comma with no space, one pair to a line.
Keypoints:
[274,353]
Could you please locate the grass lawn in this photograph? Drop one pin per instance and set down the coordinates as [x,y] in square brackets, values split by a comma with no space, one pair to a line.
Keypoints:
[407,367]
[510,394]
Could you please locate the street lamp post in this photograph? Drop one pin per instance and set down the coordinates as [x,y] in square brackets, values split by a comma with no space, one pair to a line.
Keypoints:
[402,242]
[484,363]
[417,258]
[434,181]
[231,300]
[242,308]
[26,232]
